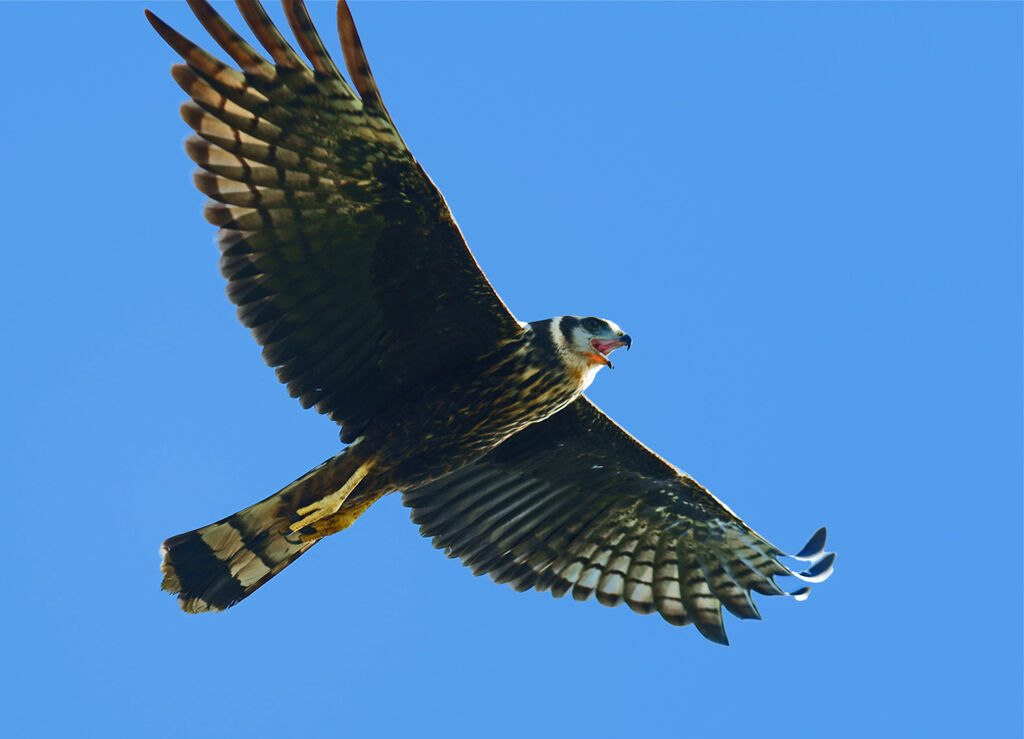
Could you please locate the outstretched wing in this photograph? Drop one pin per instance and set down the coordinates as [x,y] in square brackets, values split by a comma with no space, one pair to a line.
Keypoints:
[575,503]
[340,253]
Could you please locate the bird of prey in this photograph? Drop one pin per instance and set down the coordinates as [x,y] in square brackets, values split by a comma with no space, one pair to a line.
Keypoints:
[345,262]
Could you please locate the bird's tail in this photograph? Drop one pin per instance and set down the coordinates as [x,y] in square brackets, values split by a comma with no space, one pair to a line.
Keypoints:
[218,565]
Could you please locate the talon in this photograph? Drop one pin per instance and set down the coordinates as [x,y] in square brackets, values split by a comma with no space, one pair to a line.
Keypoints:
[308,515]
[305,509]
[331,504]
[305,521]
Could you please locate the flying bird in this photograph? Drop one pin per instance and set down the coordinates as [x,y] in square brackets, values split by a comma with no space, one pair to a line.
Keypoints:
[346,264]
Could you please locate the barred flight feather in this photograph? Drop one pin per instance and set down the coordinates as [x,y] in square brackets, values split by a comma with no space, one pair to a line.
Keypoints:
[307,36]
[725,588]
[528,515]
[327,222]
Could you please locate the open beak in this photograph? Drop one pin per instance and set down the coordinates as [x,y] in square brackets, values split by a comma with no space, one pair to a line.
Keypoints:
[604,347]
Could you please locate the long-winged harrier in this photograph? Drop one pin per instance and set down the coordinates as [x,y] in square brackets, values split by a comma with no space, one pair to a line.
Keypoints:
[346,264]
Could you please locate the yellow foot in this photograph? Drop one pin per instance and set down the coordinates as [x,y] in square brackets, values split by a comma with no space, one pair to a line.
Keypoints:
[340,520]
[331,504]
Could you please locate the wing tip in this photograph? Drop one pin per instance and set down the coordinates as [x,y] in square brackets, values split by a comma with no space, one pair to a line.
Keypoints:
[167,33]
[713,632]
[822,562]
[820,570]
[815,546]
[802,594]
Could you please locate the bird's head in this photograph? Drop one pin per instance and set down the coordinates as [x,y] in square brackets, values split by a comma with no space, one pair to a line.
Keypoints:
[592,339]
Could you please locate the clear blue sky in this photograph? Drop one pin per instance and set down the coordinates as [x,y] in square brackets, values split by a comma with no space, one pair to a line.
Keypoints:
[808,216]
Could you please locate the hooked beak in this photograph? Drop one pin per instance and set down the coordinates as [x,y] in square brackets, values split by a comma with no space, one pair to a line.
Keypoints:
[604,347]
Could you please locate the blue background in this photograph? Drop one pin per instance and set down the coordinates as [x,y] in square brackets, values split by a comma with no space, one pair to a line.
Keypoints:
[808,216]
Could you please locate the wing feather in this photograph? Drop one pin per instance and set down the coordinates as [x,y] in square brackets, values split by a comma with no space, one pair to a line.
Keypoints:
[340,254]
[357,64]
[576,505]
[234,45]
[308,38]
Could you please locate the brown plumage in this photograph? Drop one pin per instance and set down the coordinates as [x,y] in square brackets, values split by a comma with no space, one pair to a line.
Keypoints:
[346,264]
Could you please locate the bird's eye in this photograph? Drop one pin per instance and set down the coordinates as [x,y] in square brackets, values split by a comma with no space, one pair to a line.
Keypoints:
[591,324]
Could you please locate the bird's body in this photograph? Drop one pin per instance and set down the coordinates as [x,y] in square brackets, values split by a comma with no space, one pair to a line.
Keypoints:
[347,266]
[450,421]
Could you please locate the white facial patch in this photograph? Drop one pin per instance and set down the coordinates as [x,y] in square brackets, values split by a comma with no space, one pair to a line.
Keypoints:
[575,352]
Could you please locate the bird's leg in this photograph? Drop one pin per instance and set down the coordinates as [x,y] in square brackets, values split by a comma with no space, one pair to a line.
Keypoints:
[332,503]
[340,520]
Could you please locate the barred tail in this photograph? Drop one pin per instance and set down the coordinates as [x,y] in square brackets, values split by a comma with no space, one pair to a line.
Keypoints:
[218,565]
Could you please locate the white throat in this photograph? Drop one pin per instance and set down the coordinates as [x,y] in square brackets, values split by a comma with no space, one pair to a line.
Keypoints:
[576,363]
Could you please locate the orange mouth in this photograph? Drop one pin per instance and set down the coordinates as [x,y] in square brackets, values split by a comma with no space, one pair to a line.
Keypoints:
[605,347]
